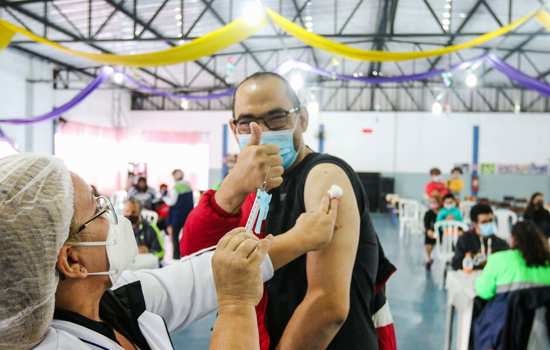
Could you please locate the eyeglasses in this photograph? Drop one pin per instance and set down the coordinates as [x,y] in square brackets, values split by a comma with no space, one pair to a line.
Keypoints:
[275,120]
[103,207]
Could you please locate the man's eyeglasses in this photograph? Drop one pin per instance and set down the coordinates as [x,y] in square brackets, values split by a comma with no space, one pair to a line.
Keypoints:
[275,120]
[103,207]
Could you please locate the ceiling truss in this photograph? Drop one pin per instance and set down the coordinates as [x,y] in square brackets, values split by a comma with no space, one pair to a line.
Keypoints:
[332,95]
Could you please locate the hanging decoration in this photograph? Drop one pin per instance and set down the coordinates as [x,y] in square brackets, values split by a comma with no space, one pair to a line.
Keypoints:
[56,112]
[336,48]
[134,83]
[232,33]
[240,29]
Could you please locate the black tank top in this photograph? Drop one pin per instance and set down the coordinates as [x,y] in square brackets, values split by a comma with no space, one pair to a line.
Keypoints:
[287,288]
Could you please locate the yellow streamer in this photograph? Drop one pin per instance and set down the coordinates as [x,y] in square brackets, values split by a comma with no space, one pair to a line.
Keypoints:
[337,48]
[544,18]
[232,33]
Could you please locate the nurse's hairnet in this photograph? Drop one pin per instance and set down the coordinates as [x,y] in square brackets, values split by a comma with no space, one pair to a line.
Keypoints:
[36,209]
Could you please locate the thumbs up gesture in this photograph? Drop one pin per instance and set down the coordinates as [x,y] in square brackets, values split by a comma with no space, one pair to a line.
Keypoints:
[257,163]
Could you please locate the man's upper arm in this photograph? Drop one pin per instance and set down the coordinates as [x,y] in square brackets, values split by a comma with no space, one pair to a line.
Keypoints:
[329,270]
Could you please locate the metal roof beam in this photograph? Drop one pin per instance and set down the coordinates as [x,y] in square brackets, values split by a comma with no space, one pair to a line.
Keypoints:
[158,34]
[48,23]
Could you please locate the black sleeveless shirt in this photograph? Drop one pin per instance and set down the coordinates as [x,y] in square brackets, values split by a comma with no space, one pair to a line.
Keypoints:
[288,287]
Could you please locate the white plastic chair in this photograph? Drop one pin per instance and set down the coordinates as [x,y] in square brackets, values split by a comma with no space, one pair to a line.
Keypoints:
[450,231]
[410,219]
[150,216]
[465,208]
[505,220]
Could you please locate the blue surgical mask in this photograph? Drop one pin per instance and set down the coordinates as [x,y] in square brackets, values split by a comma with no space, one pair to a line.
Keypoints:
[283,138]
[488,229]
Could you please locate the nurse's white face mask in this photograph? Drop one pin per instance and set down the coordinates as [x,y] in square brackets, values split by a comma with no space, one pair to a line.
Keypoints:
[120,245]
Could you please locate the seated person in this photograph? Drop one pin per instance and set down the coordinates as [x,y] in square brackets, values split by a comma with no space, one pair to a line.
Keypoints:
[456,183]
[537,214]
[148,237]
[526,265]
[481,240]
[436,185]
[429,233]
[449,210]
[145,194]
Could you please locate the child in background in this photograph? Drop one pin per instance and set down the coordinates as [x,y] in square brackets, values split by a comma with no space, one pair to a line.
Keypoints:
[456,183]
[429,233]
[449,210]
[436,186]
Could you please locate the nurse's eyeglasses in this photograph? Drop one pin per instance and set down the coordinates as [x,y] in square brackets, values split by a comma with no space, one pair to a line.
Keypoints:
[103,207]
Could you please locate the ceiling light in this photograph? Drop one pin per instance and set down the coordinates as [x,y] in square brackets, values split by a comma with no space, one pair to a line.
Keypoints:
[184,104]
[517,108]
[296,81]
[118,78]
[308,18]
[437,108]
[446,21]
[108,70]
[177,9]
[446,15]
[448,6]
[462,15]
[181,42]
[253,13]
[471,80]
[178,16]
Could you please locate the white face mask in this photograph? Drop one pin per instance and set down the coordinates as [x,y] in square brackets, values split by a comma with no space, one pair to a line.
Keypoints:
[120,245]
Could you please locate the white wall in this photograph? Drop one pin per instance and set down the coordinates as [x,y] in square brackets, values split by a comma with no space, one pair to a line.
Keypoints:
[415,142]
[23,93]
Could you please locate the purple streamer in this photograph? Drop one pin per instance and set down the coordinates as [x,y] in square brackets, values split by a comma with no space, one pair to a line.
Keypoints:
[56,112]
[498,64]
[518,76]
[289,65]
[143,87]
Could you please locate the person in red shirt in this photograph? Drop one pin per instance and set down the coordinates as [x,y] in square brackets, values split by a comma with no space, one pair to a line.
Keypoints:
[313,301]
[436,186]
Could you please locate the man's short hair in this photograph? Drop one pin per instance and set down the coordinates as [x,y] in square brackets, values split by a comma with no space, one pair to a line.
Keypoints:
[175,171]
[479,209]
[447,196]
[133,201]
[142,179]
[435,171]
[263,75]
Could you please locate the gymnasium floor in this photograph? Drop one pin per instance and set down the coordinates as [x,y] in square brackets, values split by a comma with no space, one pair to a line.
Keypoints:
[417,301]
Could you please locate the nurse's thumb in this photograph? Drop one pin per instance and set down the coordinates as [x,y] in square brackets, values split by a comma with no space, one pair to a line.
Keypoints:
[255,133]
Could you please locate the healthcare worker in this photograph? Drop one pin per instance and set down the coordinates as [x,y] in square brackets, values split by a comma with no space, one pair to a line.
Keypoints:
[64,252]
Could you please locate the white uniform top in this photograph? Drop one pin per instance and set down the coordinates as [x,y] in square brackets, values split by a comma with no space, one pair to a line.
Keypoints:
[178,294]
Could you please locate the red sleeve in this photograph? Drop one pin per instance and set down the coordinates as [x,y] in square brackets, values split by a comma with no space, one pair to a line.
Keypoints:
[208,223]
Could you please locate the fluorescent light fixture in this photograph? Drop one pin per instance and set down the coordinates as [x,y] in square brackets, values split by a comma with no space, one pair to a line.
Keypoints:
[437,108]
[471,80]
[108,70]
[446,21]
[253,13]
[296,81]
[184,104]
[118,78]
[446,15]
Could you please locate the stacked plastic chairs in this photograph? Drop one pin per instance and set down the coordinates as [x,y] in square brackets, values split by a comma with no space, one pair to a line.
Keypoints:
[411,214]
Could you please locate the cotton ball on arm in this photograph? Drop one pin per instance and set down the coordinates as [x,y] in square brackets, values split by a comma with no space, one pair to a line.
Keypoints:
[335,192]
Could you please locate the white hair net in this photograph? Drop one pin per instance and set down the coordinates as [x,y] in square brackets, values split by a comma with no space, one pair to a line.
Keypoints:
[36,209]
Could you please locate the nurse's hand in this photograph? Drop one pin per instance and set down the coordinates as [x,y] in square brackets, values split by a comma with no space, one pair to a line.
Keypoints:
[237,268]
[316,229]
